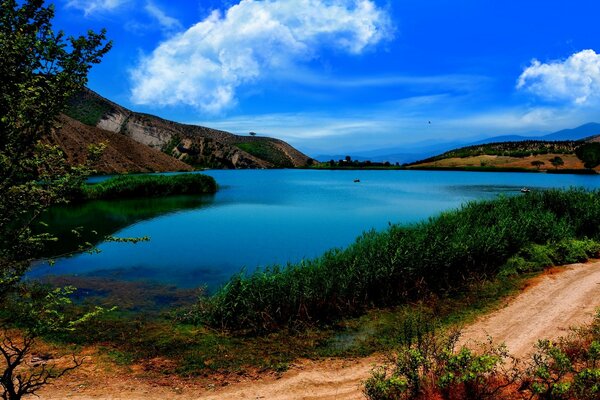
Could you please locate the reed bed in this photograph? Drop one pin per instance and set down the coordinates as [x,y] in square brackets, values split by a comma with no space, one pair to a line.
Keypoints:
[130,186]
[440,256]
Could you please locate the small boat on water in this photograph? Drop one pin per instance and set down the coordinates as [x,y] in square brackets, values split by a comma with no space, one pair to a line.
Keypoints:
[525,190]
[356,180]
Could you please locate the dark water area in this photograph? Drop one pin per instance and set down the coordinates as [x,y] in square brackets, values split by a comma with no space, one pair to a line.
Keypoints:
[263,217]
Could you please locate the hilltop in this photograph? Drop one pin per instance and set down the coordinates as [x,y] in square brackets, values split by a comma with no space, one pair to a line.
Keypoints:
[539,155]
[141,142]
[411,153]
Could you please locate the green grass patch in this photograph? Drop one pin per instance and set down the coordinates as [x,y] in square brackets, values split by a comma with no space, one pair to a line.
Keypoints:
[131,186]
[267,151]
[87,108]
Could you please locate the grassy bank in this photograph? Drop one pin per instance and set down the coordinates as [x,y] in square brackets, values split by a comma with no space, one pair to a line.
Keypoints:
[387,288]
[404,264]
[130,186]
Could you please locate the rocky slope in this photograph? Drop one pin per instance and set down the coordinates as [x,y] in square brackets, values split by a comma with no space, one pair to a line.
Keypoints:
[122,154]
[195,145]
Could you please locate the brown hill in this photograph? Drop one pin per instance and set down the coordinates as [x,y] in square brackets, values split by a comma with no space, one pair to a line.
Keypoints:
[122,154]
[574,155]
[196,145]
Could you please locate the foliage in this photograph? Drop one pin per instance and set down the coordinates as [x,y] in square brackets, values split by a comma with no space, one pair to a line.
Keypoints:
[355,164]
[434,365]
[589,153]
[268,151]
[557,162]
[40,69]
[87,109]
[129,186]
[566,369]
[536,257]
[537,163]
[404,263]
[35,311]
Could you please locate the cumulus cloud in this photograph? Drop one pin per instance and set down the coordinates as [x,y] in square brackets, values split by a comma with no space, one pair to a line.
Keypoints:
[166,22]
[576,79]
[205,66]
[91,6]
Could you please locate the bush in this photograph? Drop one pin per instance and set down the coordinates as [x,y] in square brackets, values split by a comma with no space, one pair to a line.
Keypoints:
[434,368]
[568,369]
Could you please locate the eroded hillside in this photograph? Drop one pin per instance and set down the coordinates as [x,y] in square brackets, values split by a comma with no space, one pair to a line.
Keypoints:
[195,145]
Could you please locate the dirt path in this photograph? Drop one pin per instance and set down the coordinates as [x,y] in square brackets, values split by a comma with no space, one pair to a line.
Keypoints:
[553,303]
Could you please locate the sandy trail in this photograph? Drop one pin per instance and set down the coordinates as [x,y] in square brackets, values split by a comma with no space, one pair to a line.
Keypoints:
[553,303]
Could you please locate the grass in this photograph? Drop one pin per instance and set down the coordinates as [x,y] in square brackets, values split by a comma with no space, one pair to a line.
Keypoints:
[403,264]
[267,151]
[87,109]
[388,288]
[197,350]
[131,186]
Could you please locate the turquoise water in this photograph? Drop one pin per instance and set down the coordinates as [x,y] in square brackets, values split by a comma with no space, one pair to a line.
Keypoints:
[263,217]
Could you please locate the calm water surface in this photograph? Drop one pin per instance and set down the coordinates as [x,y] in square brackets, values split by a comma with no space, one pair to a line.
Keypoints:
[263,217]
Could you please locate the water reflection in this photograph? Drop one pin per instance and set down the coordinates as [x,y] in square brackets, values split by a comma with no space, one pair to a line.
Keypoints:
[91,222]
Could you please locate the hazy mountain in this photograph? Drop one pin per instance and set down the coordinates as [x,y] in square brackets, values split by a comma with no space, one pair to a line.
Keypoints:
[414,152]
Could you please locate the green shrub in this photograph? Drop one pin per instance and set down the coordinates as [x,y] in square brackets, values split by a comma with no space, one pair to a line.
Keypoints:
[589,153]
[434,368]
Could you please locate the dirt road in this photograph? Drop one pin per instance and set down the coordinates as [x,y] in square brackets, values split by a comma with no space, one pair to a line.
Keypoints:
[553,303]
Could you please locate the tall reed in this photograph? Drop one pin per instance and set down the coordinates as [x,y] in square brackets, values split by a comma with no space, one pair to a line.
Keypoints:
[403,263]
[128,186]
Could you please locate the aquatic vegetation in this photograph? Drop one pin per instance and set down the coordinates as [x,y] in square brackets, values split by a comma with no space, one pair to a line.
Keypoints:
[406,263]
[128,186]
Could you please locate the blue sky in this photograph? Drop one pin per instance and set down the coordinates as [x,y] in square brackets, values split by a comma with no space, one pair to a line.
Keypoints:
[341,75]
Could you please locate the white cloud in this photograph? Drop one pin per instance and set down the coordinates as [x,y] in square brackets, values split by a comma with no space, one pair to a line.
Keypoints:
[166,22]
[205,66]
[91,6]
[576,79]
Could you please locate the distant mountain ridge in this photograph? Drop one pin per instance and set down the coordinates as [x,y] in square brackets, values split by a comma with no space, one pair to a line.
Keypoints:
[412,153]
[194,145]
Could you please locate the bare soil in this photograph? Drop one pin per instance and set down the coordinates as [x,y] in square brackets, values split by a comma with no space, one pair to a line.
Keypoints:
[551,304]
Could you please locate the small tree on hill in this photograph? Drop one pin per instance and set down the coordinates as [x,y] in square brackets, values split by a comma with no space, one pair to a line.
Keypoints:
[557,162]
[537,163]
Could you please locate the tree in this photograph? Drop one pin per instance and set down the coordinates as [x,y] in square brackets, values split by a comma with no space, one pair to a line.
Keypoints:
[40,70]
[538,164]
[557,162]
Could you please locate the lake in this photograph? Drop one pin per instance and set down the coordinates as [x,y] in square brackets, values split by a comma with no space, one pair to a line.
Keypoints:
[264,217]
